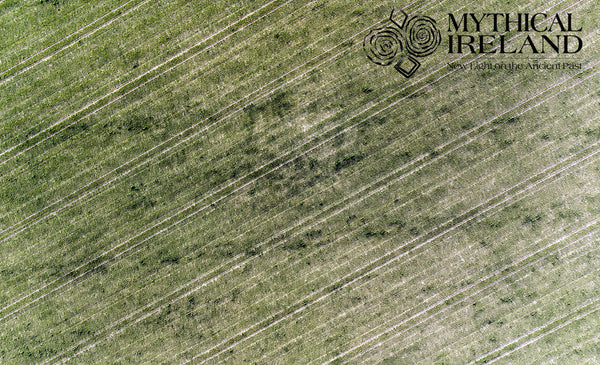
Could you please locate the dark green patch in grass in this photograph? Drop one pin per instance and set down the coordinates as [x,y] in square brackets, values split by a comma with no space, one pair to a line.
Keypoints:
[399,224]
[593,133]
[281,103]
[282,37]
[295,245]
[347,162]
[371,233]
[443,110]
[512,120]
[50,2]
[427,288]
[138,123]
[313,233]
[554,259]
[379,120]
[466,125]
[531,219]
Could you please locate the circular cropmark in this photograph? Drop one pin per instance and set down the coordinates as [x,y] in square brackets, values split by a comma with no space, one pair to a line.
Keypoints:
[423,36]
[382,45]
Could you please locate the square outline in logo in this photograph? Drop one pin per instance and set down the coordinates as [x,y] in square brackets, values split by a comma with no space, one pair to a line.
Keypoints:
[407,72]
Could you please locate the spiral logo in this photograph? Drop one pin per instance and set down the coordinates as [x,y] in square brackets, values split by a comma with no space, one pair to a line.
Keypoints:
[423,36]
[402,41]
[383,45]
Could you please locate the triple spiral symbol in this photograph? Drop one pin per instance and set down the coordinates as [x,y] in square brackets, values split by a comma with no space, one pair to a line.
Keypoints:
[383,45]
[400,43]
[423,36]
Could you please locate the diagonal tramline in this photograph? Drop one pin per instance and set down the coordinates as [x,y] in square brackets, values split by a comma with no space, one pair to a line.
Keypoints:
[456,298]
[562,357]
[125,168]
[139,81]
[388,258]
[373,249]
[538,258]
[497,276]
[251,281]
[53,282]
[71,39]
[106,82]
[550,295]
[136,321]
[590,307]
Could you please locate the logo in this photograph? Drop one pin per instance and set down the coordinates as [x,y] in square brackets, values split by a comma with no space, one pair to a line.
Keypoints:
[402,42]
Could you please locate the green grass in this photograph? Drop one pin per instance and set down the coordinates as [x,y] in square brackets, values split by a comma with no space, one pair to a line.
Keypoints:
[339,206]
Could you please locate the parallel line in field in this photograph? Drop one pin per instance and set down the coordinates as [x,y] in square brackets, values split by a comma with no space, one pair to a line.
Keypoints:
[573,256]
[577,314]
[136,83]
[188,133]
[363,306]
[105,82]
[559,357]
[213,193]
[69,40]
[342,315]
[431,188]
[357,274]
[455,298]
[497,276]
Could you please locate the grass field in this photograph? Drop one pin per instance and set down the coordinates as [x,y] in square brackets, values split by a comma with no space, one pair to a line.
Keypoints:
[235,182]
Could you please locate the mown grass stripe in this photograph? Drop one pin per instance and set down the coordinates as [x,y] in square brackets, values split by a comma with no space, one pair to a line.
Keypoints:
[139,81]
[70,39]
[579,313]
[169,144]
[300,280]
[365,270]
[152,235]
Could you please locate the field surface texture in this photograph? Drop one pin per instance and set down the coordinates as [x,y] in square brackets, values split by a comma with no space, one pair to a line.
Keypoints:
[245,182]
